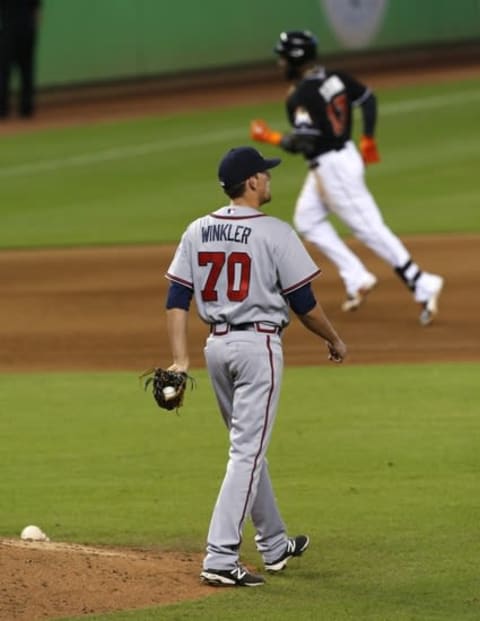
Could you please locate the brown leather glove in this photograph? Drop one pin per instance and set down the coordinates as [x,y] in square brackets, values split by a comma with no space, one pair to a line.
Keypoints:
[168,387]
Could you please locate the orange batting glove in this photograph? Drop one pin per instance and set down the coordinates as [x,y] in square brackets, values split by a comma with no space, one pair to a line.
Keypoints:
[368,149]
[261,132]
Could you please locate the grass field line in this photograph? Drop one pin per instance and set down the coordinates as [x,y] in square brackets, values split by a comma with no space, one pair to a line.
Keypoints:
[429,103]
[186,142]
[109,155]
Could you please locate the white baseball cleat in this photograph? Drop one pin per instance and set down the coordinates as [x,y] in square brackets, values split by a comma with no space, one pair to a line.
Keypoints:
[430,307]
[355,300]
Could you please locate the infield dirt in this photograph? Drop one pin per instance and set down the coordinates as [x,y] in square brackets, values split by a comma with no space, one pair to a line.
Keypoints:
[103,309]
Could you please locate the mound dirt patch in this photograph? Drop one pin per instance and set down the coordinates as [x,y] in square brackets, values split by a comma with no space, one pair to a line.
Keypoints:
[51,580]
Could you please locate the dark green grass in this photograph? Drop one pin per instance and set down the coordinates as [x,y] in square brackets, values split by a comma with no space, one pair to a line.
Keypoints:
[143,180]
[379,465]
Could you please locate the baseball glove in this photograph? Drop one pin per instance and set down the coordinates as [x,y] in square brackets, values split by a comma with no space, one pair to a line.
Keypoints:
[168,387]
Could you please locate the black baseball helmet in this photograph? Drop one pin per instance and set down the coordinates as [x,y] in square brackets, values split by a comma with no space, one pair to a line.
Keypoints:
[296,46]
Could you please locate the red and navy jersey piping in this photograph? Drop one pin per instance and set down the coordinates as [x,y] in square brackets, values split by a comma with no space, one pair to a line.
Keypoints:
[180,281]
[301,283]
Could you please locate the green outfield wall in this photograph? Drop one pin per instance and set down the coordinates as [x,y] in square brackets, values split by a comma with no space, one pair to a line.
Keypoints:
[84,41]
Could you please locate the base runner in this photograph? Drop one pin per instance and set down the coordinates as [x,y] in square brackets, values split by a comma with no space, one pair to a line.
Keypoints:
[320,110]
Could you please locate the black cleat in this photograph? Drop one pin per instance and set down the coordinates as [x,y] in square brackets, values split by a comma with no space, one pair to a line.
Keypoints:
[239,576]
[296,546]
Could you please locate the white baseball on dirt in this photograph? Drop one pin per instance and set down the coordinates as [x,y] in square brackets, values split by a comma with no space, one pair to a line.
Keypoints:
[33,533]
[169,392]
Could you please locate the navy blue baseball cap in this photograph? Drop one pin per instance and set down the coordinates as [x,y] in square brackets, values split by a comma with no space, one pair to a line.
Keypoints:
[241,163]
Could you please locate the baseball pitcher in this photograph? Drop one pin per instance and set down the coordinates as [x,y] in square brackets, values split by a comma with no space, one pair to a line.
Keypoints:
[247,270]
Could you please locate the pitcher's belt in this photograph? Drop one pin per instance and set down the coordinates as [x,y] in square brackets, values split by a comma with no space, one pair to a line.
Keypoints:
[218,329]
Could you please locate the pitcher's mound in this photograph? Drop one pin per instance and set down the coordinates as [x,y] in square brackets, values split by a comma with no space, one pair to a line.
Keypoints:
[48,580]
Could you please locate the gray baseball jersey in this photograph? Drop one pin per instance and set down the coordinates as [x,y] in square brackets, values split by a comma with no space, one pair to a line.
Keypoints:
[241,263]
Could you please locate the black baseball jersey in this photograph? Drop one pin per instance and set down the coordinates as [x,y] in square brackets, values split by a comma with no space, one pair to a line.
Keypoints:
[320,106]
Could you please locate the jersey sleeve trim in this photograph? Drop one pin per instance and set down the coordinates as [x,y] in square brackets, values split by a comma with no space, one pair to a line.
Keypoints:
[180,281]
[366,94]
[301,283]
